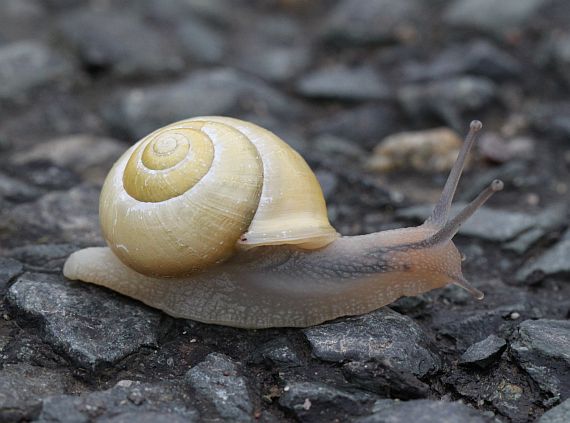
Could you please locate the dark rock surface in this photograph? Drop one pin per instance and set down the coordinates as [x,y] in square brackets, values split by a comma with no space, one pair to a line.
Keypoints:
[81,80]
[217,379]
[316,402]
[27,65]
[554,261]
[425,411]
[22,388]
[559,414]
[542,348]
[381,335]
[212,92]
[9,268]
[126,402]
[382,378]
[104,329]
[485,352]
[344,83]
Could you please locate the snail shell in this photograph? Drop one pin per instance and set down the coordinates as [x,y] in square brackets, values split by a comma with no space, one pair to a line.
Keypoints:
[186,196]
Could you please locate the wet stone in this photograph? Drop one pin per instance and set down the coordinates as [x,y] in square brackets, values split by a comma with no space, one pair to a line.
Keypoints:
[213,92]
[67,216]
[485,352]
[119,42]
[552,118]
[477,58]
[380,335]
[491,16]
[488,224]
[218,381]
[553,262]
[382,378]
[553,218]
[542,348]
[344,83]
[278,352]
[9,268]
[448,99]
[127,401]
[16,191]
[371,21]
[470,327]
[559,414]
[425,411]
[69,152]
[23,386]
[105,327]
[27,65]
[200,42]
[505,387]
[317,402]
[358,123]
[48,258]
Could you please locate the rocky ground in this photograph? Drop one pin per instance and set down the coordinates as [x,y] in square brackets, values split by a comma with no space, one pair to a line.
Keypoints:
[81,80]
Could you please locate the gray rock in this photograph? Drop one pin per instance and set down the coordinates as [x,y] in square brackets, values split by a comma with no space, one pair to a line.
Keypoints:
[16,191]
[19,18]
[560,52]
[317,402]
[380,335]
[28,65]
[57,217]
[344,83]
[554,261]
[23,386]
[104,327]
[211,92]
[120,42]
[46,258]
[201,42]
[128,401]
[471,326]
[559,414]
[551,118]
[371,21]
[426,411]
[486,223]
[476,58]
[551,219]
[382,378]
[218,12]
[87,155]
[485,352]
[542,348]
[278,352]
[491,16]
[277,63]
[448,99]
[366,124]
[9,268]
[217,379]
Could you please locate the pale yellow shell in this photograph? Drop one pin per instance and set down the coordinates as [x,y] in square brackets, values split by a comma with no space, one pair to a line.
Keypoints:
[186,196]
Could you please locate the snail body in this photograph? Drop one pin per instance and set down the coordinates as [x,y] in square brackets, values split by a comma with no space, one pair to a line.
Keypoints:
[217,220]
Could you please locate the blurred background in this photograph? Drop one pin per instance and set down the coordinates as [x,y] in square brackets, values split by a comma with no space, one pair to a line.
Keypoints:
[377,95]
[81,80]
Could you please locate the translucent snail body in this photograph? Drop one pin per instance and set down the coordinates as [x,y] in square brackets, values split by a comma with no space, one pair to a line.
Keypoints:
[217,220]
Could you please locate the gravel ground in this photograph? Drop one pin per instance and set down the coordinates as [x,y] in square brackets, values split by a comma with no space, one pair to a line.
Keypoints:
[81,80]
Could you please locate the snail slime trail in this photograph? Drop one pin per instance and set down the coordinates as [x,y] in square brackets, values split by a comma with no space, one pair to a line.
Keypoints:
[218,220]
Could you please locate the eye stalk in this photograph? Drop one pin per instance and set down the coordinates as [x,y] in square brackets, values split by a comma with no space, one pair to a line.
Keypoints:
[447,228]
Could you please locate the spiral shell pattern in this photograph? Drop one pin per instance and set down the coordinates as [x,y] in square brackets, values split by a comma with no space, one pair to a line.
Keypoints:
[186,196]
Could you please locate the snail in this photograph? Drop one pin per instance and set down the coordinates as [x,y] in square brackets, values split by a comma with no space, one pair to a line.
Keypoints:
[218,220]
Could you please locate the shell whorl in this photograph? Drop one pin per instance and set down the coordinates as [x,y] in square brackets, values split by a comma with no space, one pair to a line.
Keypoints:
[184,197]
